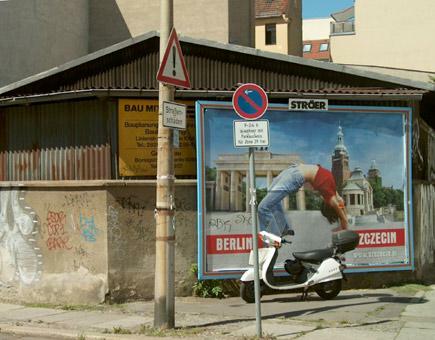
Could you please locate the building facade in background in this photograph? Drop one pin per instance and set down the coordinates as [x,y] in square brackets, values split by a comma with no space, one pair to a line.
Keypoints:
[37,35]
[386,36]
[278,26]
[315,36]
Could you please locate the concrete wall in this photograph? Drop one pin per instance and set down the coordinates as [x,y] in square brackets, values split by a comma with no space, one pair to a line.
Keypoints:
[389,34]
[131,236]
[116,20]
[242,22]
[37,35]
[53,243]
[72,244]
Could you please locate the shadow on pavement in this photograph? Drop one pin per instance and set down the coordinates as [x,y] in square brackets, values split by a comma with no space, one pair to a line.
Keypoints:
[314,310]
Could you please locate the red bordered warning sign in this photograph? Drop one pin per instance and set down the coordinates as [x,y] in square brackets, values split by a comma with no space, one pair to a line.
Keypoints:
[172,69]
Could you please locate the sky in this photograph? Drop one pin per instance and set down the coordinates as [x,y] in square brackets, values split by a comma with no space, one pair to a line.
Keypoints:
[323,8]
[374,136]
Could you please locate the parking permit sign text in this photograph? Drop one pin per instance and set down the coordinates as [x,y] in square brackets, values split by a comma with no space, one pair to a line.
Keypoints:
[251,133]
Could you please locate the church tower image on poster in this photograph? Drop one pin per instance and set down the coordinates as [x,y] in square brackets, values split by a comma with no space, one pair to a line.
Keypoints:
[340,161]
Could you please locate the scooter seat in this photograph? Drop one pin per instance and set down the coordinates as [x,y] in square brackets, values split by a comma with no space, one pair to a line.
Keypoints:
[317,255]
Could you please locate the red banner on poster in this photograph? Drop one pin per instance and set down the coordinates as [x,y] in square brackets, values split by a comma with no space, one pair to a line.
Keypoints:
[381,238]
[230,244]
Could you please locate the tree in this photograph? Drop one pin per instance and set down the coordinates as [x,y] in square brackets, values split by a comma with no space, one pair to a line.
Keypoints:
[210,174]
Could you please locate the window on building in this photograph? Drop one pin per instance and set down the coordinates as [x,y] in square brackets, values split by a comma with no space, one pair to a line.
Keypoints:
[323,47]
[271,34]
[307,48]
[352,199]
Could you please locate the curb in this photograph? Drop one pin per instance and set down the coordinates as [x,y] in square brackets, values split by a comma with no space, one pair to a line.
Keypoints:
[47,333]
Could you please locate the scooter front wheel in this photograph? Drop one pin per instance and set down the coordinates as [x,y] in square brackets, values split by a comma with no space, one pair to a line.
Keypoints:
[247,291]
[328,290]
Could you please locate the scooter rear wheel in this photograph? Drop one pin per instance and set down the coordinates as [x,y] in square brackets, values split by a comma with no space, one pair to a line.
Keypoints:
[328,290]
[247,291]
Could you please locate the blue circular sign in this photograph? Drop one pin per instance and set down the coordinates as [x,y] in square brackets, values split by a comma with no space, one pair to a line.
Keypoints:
[250,101]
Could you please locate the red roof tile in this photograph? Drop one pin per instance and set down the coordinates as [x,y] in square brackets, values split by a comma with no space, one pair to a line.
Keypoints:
[270,8]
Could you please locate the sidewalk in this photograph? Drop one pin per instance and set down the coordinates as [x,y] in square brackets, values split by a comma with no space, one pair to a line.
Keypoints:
[354,314]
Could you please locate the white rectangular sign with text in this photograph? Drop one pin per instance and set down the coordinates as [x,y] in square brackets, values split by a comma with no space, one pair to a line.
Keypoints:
[251,133]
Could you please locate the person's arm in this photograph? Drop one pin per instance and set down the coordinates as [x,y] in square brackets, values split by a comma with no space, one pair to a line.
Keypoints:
[337,203]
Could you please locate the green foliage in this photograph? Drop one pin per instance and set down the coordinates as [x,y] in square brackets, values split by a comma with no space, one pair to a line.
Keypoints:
[383,196]
[120,330]
[261,193]
[207,288]
[210,174]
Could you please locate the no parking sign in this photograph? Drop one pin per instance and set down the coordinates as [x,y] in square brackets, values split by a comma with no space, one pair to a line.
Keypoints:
[250,101]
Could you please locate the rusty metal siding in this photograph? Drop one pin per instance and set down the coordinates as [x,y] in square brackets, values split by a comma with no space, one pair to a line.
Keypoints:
[59,141]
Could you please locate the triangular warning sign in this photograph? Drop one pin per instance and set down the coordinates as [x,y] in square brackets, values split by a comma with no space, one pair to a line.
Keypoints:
[172,69]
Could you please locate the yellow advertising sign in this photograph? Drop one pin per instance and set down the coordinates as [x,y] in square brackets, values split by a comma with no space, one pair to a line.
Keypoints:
[138,127]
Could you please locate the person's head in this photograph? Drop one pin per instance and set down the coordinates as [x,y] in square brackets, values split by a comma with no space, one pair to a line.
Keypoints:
[329,212]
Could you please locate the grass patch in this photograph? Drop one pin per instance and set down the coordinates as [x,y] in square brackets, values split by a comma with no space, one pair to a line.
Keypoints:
[100,307]
[344,322]
[411,288]
[254,337]
[120,330]
[179,332]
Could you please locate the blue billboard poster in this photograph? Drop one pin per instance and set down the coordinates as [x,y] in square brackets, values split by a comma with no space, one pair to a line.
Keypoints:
[366,150]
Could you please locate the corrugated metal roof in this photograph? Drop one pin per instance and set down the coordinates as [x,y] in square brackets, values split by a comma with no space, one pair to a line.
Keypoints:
[364,91]
[338,93]
[133,64]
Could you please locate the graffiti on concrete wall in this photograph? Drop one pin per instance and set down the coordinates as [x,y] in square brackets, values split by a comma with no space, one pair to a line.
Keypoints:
[115,235]
[57,237]
[88,229]
[134,215]
[20,258]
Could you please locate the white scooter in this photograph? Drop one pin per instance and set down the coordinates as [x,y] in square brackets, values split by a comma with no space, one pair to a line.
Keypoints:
[320,269]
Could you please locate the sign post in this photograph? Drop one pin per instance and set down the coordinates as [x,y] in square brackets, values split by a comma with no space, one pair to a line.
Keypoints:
[172,72]
[250,103]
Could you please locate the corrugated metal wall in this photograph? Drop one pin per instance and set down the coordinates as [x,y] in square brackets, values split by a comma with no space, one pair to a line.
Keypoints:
[58,141]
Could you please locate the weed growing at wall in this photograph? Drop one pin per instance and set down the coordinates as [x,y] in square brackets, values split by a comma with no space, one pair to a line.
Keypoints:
[213,288]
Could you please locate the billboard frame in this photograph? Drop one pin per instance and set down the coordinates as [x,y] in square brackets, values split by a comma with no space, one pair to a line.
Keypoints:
[201,108]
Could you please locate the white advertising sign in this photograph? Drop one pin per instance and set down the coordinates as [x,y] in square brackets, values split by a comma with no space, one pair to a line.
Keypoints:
[251,133]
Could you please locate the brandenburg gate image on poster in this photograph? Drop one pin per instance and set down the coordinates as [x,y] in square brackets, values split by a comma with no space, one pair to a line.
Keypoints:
[225,194]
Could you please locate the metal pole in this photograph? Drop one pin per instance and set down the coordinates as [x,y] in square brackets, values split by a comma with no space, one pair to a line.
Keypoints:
[253,203]
[164,297]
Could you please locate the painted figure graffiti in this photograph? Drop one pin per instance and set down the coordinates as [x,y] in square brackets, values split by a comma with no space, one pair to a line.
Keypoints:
[20,259]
